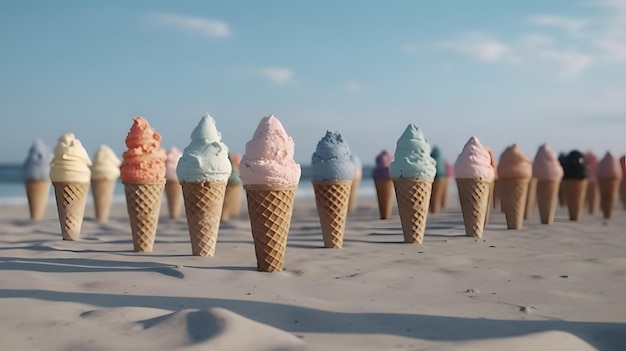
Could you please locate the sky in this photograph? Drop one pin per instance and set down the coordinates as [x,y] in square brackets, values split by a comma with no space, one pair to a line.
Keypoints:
[526,72]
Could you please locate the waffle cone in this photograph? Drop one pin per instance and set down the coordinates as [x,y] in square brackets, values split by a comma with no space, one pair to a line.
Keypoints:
[71,199]
[203,207]
[437,195]
[444,194]
[413,196]
[622,192]
[38,192]
[592,198]
[353,194]
[547,197]
[492,191]
[513,197]
[474,197]
[497,195]
[174,194]
[102,191]
[232,201]
[562,196]
[531,199]
[331,200]
[270,208]
[575,190]
[143,202]
[384,193]
[608,193]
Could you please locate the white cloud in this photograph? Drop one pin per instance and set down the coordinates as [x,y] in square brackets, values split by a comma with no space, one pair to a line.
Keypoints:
[196,25]
[567,24]
[353,87]
[277,75]
[569,63]
[478,46]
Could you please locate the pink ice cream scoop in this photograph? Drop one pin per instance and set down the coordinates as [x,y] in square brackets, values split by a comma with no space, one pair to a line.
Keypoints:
[592,164]
[494,163]
[269,156]
[474,162]
[173,155]
[546,165]
[609,167]
[449,169]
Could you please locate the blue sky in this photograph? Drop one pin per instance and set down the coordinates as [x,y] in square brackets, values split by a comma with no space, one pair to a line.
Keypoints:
[529,72]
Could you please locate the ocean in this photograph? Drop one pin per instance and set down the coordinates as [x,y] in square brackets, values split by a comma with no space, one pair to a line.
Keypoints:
[12,189]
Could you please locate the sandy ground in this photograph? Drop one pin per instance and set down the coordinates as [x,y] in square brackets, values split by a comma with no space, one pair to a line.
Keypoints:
[557,287]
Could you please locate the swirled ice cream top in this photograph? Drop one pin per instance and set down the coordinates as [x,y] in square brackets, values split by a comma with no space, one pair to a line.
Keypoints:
[514,164]
[37,163]
[171,162]
[546,165]
[441,166]
[474,162]
[412,157]
[268,159]
[206,157]
[71,161]
[106,165]
[331,159]
[144,161]
[609,167]
[381,170]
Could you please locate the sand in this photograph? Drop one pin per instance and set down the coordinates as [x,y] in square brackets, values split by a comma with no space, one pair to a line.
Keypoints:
[556,287]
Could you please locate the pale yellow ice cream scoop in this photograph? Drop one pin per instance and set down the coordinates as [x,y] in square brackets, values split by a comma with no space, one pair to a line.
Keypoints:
[71,161]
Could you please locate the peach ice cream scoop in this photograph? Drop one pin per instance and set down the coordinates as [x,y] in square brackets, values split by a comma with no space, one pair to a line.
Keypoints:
[514,164]
[144,161]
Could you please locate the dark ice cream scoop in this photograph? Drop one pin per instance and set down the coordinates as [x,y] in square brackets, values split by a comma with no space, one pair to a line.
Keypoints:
[574,165]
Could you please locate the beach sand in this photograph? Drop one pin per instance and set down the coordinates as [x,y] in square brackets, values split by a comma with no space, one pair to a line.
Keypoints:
[557,287]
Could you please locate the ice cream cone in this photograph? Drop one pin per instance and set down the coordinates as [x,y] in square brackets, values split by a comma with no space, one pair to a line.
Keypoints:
[444,194]
[575,190]
[531,199]
[438,194]
[331,199]
[353,194]
[608,192]
[232,201]
[547,195]
[384,192]
[413,196]
[562,196]
[514,193]
[102,190]
[174,194]
[38,192]
[71,199]
[496,201]
[270,208]
[474,197]
[492,191]
[143,202]
[203,207]
[622,192]
[593,197]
